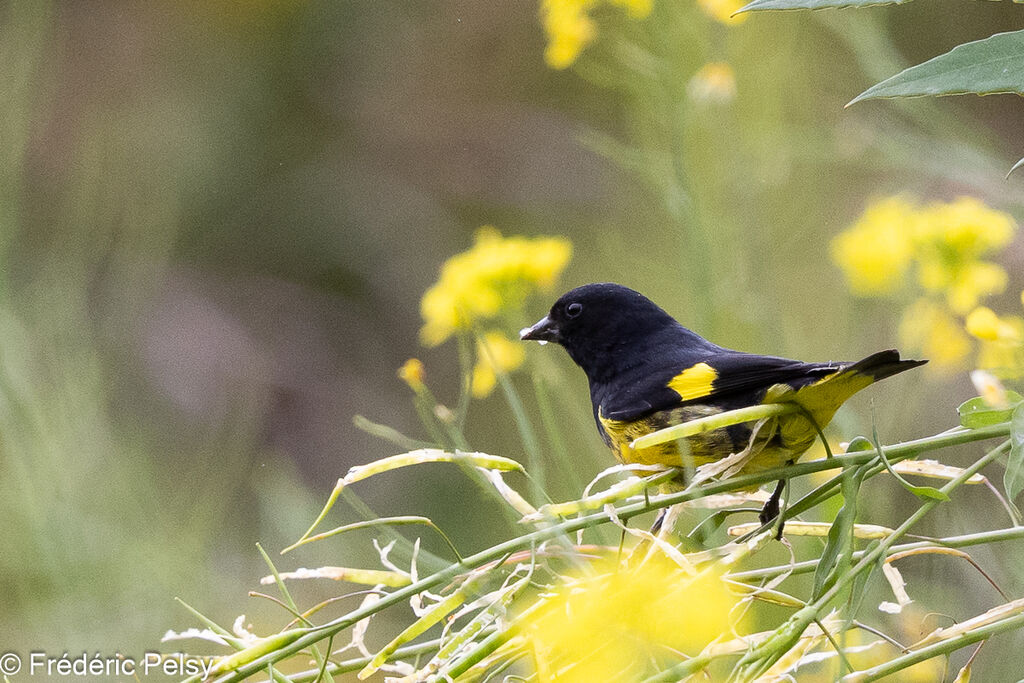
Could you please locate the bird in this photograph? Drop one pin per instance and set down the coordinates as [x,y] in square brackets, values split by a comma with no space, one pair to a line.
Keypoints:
[647,372]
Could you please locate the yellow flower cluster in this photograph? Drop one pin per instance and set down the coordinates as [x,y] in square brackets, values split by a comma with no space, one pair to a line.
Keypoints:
[876,251]
[613,623]
[570,28]
[496,274]
[944,245]
[485,286]
[946,241]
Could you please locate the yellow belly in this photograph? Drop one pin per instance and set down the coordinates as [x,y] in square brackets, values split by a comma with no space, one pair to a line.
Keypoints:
[777,445]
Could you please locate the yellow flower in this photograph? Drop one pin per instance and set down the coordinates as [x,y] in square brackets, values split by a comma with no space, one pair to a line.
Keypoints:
[722,10]
[984,324]
[714,82]
[966,227]
[876,251]
[615,623]
[964,283]
[495,275]
[1002,340]
[412,373]
[932,330]
[569,27]
[495,354]
[951,238]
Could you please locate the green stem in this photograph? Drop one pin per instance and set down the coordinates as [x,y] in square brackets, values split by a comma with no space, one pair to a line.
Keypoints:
[963,541]
[935,649]
[760,659]
[534,458]
[286,594]
[348,665]
[466,380]
[551,428]
[682,669]
[897,452]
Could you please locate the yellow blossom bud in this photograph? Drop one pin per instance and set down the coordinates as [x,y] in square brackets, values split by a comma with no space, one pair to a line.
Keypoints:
[412,373]
[983,323]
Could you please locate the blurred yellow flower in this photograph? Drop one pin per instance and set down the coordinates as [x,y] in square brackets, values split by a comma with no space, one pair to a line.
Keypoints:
[951,239]
[930,328]
[570,28]
[966,226]
[614,623]
[984,324]
[722,10]
[1004,359]
[495,354]
[412,373]
[875,253]
[965,283]
[945,242]
[1002,340]
[494,276]
[715,82]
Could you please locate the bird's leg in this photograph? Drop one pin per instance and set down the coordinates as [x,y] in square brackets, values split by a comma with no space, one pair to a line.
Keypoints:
[658,521]
[771,508]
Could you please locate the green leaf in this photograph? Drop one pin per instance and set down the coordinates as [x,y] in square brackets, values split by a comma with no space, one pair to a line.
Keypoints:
[1013,480]
[860,443]
[812,4]
[840,537]
[991,65]
[977,412]
[919,491]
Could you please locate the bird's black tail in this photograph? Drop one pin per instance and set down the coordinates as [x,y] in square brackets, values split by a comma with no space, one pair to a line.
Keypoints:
[883,364]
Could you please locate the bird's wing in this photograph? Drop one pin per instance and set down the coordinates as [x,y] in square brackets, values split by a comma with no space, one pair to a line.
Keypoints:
[742,377]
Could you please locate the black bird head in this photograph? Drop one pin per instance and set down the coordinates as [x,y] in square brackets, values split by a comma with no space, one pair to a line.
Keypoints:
[601,325]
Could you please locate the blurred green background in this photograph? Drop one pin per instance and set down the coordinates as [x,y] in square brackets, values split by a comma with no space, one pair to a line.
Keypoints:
[217,219]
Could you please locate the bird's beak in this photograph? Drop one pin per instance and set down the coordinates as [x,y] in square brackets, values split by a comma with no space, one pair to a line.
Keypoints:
[544,330]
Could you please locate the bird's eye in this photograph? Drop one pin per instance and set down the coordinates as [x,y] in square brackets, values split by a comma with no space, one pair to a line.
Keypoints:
[573,309]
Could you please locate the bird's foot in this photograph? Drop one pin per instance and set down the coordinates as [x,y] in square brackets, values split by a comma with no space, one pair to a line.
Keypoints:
[771,508]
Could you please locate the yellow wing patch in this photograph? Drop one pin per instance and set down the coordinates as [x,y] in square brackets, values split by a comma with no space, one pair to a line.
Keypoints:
[693,382]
